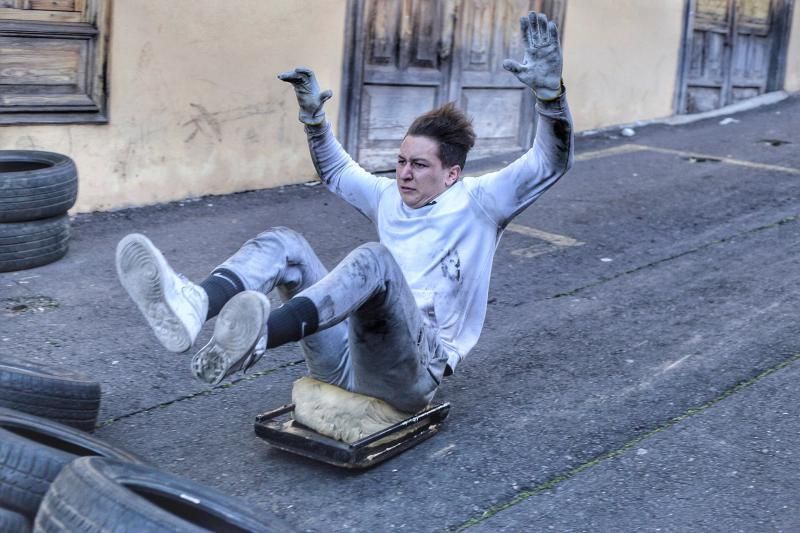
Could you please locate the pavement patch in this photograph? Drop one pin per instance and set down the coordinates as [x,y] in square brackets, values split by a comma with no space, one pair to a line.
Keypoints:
[27,304]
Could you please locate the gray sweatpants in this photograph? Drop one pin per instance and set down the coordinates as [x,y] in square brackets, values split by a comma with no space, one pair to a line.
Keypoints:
[372,337]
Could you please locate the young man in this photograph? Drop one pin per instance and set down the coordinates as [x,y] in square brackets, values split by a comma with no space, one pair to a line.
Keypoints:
[393,317]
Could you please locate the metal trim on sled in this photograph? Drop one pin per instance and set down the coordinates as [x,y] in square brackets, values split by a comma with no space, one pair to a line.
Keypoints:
[291,436]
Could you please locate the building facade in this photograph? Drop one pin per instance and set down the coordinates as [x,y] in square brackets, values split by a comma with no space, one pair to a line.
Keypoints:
[159,101]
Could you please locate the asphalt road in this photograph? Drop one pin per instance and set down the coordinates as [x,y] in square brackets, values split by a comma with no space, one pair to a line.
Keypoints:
[637,370]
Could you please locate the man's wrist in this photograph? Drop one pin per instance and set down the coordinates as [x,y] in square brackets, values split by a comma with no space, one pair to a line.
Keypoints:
[314,121]
[311,114]
[316,129]
[549,95]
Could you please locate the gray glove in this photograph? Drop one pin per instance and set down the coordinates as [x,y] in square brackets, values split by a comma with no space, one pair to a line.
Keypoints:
[541,68]
[310,99]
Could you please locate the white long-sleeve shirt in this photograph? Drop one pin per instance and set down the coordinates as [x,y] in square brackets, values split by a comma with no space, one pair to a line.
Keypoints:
[446,248]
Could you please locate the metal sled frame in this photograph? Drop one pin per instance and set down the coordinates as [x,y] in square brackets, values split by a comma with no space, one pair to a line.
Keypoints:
[291,436]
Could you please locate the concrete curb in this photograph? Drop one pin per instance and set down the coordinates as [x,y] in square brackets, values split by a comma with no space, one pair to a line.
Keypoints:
[679,120]
[750,103]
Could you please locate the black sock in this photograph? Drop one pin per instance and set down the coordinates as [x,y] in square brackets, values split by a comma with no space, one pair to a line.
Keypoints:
[292,321]
[221,285]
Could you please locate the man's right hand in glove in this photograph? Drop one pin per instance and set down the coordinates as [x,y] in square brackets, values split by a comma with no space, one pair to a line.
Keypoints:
[309,98]
[541,67]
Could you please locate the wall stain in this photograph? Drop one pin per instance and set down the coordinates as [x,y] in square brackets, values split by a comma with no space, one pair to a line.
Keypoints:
[210,124]
[204,122]
[121,168]
[26,143]
[145,56]
[252,136]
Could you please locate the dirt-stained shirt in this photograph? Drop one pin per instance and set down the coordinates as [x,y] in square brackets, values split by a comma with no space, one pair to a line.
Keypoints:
[446,248]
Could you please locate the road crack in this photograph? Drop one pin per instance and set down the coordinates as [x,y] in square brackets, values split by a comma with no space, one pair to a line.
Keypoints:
[218,389]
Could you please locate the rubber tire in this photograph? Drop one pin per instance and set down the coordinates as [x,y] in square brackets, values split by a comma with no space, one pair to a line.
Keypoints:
[13,522]
[36,185]
[33,450]
[50,392]
[26,245]
[93,494]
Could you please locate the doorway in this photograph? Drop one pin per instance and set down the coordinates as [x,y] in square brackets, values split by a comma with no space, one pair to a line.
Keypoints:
[733,50]
[409,56]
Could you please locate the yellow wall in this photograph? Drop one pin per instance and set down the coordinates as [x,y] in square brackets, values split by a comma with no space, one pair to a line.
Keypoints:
[195,105]
[793,57]
[621,59]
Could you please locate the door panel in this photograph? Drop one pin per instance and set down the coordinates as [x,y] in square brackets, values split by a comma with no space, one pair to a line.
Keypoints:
[706,70]
[715,11]
[44,10]
[384,112]
[49,72]
[754,10]
[495,115]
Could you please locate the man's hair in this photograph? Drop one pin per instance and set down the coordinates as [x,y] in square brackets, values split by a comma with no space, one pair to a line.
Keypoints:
[451,128]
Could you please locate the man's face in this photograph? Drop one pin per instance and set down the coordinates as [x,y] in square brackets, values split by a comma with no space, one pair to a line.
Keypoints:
[421,176]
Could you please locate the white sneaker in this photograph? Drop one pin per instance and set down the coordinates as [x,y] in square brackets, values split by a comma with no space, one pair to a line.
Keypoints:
[239,341]
[174,307]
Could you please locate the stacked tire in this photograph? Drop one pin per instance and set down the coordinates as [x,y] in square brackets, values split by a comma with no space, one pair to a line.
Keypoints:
[37,189]
[45,412]
[33,452]
[56,477]
[55,393]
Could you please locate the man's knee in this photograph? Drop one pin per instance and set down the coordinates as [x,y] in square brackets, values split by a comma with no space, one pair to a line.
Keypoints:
[286,242]
[381,255]
[284,235]
[377,268]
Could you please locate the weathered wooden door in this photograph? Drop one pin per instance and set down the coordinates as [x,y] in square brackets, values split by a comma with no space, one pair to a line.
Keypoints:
[735,49]
[409,56]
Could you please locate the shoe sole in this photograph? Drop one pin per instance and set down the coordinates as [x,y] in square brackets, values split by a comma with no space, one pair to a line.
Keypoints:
[239,326]
[141,271]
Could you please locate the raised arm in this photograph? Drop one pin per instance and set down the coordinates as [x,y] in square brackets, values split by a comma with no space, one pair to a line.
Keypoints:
[335,167]
[505,193]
